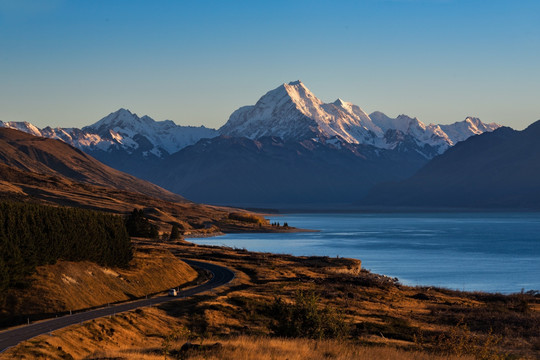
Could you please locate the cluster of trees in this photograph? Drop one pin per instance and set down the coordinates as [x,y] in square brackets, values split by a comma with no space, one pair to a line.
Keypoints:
[138,225]
[33,235]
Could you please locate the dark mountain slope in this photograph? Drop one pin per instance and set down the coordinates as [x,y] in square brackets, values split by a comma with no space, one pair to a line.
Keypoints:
[273,172]
[493,170]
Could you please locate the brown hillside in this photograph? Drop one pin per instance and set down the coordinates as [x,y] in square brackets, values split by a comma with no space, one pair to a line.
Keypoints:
[54,157]
[385,320]
[69,285]
[55,190]
[52,172]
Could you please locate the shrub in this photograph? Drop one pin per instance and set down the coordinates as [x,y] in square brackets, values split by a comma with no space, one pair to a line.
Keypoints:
[245,217]
[305,319]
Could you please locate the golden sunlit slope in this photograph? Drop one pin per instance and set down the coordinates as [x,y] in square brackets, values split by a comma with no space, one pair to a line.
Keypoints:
[69,285]
[55,190]
[54,157]
[383,319]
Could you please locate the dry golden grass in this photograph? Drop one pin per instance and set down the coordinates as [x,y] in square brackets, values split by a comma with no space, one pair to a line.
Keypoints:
[386,320]
[142,329]
[70,285]
[265,348]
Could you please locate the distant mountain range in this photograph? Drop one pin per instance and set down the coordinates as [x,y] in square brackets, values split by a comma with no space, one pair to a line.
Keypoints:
[122,139]
[288,148]
[496,170]
[292,112]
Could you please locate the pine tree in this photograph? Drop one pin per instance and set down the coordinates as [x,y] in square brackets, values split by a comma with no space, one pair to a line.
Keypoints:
[175,232]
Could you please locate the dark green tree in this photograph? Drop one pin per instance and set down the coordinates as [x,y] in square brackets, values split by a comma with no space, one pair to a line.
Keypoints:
[175,232]
[138,225]
[33,235]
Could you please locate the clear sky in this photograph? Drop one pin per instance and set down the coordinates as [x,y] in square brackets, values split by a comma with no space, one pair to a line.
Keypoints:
[69,63]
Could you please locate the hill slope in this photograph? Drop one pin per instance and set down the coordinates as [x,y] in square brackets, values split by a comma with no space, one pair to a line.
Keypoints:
[494,170]
[68,285]
[29,153]
[52,172]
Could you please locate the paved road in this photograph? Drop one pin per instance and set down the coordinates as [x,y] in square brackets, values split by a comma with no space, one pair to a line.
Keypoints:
[9,338]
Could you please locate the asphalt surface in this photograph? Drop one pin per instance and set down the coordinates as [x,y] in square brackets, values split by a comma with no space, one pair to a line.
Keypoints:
[9,338]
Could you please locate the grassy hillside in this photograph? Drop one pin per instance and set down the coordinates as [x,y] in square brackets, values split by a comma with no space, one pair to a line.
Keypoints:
[384,320]
[48,171]
[192,218]
[52,157]
[67,285]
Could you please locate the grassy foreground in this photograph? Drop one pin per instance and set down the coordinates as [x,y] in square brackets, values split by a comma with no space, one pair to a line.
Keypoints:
[364,315]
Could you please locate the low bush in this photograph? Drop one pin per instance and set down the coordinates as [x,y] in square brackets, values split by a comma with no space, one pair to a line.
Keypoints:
[304,318]
[249,218]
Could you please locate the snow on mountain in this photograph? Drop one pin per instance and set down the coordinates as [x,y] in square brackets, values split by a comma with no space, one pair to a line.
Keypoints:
[123,130]
[442,136]
[461,131]
[292,112]
[21,126]
[127,129]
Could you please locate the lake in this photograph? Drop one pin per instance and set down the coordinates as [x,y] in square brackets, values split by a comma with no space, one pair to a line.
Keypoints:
[494,252]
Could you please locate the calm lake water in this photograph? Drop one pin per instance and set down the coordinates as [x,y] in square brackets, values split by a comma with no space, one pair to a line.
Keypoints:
[495,252]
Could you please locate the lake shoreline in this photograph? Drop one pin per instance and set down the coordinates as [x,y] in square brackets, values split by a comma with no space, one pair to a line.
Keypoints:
[462,251]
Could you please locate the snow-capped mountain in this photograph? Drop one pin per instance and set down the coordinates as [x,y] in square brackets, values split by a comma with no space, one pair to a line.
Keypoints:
[500,169]
[21,126]
[123,131]
[290,148]
[156,137]
[293,112]
[461,131]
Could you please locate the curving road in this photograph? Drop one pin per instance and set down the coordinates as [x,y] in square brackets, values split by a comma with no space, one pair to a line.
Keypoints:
[9,338]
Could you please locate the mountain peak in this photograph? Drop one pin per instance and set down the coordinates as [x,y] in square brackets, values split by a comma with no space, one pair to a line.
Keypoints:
[472,120]
[294,83]
[122,113]
[120,118]
[292,112]
[462,130]
[122,110]
[340,102]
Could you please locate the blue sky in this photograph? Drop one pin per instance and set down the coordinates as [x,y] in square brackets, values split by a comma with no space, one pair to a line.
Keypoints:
[69,63]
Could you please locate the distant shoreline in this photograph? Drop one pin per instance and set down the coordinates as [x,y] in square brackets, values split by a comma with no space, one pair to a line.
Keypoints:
[393,235]
[381,210]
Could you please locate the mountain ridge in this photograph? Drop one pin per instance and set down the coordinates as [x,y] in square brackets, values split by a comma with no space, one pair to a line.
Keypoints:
[290,111]
[500,169]
[289,147]
[123,130]
[270,172]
